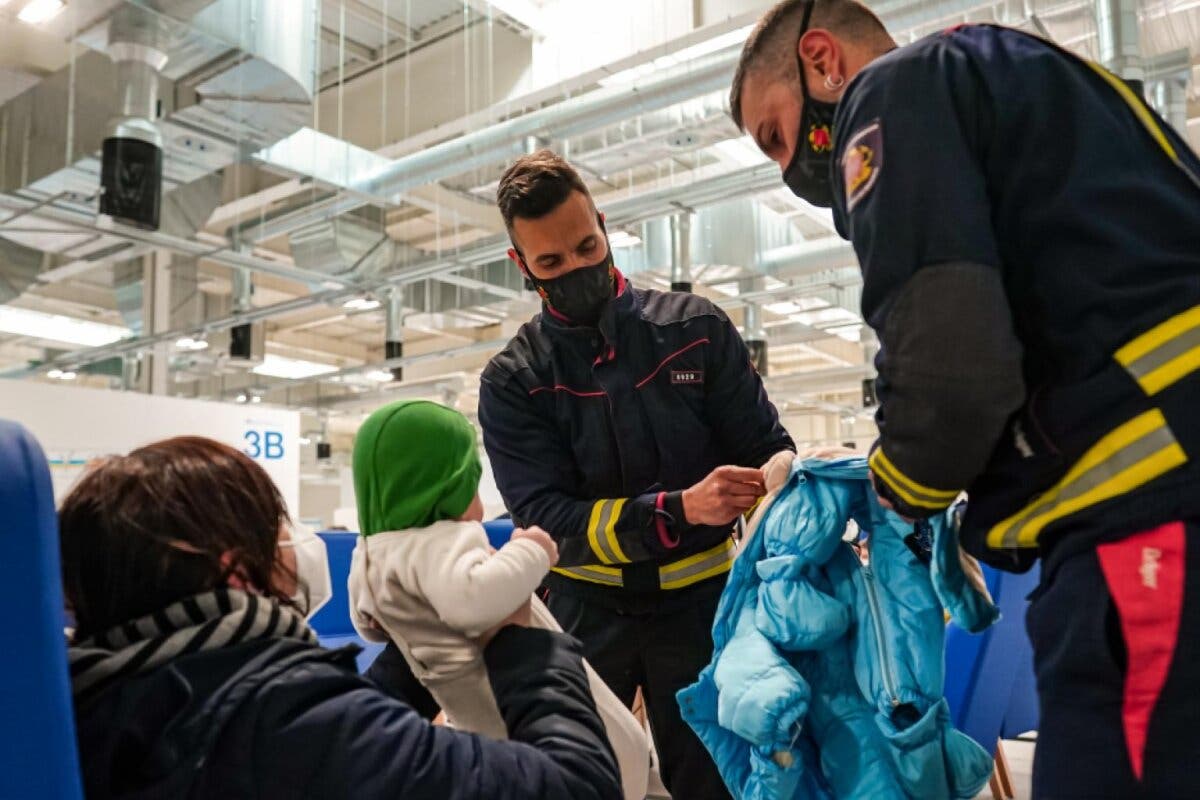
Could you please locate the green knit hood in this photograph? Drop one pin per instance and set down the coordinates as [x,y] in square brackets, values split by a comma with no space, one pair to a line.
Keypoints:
[415,463]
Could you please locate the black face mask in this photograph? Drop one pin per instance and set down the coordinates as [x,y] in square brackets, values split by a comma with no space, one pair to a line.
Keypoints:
[581,294]
[807,175]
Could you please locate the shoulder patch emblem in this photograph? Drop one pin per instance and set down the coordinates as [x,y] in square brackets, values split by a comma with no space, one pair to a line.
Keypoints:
[862,162]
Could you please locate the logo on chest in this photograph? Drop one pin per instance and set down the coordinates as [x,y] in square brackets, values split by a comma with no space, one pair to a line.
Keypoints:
[687,377]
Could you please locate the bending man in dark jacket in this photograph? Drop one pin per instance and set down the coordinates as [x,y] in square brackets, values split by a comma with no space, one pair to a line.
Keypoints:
[196,676]
[631,426]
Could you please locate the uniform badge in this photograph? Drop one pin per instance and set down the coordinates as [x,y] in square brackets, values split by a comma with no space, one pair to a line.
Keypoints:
[862,162]
[687,377]
[819,139]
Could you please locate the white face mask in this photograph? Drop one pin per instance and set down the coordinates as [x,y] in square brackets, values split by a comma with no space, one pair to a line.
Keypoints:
[314,586]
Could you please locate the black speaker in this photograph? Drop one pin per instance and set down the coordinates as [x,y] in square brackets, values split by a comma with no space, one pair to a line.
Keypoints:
[241,341]
[394,350]
[131,179]
[324,451]
[681,286]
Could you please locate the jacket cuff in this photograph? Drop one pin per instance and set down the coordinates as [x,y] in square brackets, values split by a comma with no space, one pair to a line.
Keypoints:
[907,497]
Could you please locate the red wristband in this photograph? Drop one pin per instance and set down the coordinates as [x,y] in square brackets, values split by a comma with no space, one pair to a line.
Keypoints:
[660,523]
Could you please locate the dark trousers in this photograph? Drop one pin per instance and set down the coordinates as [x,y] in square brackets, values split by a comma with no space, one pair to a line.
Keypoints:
[661,648]
[1116,640]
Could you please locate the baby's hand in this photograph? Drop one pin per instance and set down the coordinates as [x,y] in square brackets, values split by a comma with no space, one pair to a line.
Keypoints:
[541,539]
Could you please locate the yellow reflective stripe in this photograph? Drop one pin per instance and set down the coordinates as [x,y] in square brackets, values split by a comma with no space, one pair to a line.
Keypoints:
[593,527]
[698,567]
[610,532]
[1172,371]
[608,576]
[910,491]
[602,531]
[675,575]
[1164,354]
[1130,456]
[688,580]
[1139,109]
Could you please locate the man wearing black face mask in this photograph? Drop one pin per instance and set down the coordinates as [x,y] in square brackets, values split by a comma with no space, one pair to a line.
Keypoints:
[630,425]
[1029,235]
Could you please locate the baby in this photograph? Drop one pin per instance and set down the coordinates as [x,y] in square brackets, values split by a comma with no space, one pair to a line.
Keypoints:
[424,576]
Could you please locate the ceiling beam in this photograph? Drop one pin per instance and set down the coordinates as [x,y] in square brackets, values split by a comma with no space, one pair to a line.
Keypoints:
[453,205]
[373,16]
[522,12]
[357,49]
[455,279]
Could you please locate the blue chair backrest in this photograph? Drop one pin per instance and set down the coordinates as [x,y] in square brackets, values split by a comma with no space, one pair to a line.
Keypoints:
[38,757]
[334,617]
[332,623]
[989,676]
[499,531]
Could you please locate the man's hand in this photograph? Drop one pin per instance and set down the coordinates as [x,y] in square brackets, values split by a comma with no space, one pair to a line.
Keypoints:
[541,539]
[723,495]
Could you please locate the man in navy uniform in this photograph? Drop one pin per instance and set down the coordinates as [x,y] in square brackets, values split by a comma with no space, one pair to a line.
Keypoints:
[1029,236]
[631,425]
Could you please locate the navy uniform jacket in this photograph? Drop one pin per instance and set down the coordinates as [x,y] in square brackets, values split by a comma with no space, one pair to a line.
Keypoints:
[1029,234]
[280,718]
[593,432]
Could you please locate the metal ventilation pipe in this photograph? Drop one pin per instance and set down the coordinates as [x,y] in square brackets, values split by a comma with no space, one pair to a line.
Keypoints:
[393,344]
[681,252]
[1170,98]
[243,290]
[753,332]
[131,163]
[1117,33]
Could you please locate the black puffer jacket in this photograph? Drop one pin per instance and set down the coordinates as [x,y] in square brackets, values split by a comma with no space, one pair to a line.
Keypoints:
[283,719]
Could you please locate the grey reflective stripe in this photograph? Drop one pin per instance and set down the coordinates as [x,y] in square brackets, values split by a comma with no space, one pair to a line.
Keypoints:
[1138,450]
[1164,353]
[584,573]
[599,536]
[670,574]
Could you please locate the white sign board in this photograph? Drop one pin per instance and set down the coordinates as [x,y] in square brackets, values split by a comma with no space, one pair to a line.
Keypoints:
[75,425]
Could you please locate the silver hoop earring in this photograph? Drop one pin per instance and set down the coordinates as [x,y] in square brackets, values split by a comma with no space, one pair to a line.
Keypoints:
[833,84]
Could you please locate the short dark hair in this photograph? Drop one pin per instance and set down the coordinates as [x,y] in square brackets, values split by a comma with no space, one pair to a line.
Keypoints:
[771,46]
[142,531]
[535,185]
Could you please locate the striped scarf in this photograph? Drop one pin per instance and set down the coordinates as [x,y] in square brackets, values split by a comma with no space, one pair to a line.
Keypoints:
[217,619]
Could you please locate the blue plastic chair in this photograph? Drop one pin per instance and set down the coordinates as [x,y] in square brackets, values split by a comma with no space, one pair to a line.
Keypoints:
[989,677]
[499,531]
[332,622]
[38,758]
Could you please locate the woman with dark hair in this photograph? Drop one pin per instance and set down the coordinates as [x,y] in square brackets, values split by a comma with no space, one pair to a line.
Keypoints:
[195,674]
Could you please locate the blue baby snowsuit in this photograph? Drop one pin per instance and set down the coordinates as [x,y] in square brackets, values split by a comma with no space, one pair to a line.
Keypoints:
[826,681]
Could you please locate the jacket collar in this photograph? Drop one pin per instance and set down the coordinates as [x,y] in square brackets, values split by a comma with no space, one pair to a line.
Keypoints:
[617,309]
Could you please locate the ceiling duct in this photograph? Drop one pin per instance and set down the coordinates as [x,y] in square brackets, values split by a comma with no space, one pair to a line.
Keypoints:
[187,303]
[19,268]
[234,78]
[352,245]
